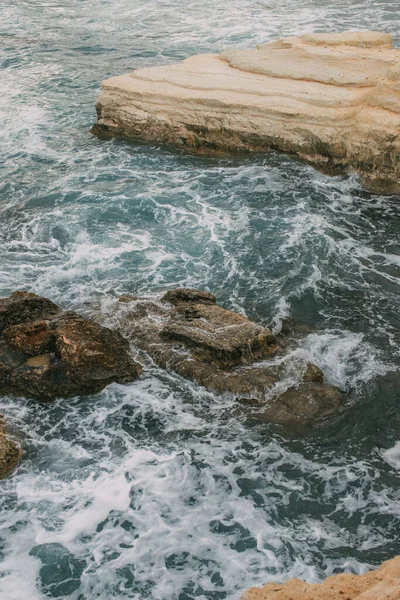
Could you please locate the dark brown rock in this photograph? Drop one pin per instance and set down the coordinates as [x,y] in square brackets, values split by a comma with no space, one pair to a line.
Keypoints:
[313,373]
[218,348]
[220,334]
[307,402]
[127,298]
[30,338]
[22,307]
[10,451]
[181,295]
[59,355]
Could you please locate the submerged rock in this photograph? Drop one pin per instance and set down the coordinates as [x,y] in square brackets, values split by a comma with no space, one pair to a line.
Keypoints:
[332,100]
[381,584]
[47,353]
[10,451]
[187,332]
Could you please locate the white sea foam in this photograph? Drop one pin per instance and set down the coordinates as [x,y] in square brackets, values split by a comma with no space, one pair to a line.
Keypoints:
[161,489]
[345,357]
[392,456]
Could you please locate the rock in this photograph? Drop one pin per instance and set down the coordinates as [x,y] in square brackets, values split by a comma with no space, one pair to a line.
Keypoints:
[30,338]
[313,373]
[381,584]
[47,353]
[219,334]
[182,295]
[312,401]
[23,306]
[332,100]
[10,451]
[127,298]
[187,332]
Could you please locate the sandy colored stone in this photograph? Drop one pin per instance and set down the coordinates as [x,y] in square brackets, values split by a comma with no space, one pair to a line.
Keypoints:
[332,100]
[41,360]
[380,584]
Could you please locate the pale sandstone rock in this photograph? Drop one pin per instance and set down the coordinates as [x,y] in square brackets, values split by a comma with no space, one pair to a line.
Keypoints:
[381,584]
[332,100]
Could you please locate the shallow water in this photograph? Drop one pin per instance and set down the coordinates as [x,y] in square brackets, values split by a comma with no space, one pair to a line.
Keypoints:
[160,489]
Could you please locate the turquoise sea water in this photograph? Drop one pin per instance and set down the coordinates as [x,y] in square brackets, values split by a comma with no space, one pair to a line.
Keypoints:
[160,489]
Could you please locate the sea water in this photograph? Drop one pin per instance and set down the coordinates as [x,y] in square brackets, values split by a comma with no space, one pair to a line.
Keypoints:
[161,489]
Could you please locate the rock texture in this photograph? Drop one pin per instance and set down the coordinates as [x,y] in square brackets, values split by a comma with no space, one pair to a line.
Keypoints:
[187,332]
[381,584]
[10,451]
[332,100]
[47,353]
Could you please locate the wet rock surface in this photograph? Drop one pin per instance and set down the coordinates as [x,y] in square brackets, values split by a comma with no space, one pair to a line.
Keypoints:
[46,353]
[187,332]
[10,451]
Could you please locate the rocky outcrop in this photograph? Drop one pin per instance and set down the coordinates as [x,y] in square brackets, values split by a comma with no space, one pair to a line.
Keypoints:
[47,353]
[10,451]
[381,584]
[332,100]
[187,332]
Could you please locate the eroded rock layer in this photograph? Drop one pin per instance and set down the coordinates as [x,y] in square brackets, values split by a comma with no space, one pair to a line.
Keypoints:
[187,332]
[381,584]
[332,100]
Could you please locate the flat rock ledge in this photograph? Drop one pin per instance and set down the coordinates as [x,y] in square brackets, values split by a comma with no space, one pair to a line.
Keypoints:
[187,332]
[48,353]
[331,100]
[381,584]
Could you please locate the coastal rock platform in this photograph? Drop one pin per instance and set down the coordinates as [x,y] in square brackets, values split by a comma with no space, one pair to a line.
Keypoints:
[331,100]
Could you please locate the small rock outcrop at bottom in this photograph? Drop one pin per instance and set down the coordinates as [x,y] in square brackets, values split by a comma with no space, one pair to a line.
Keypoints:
[329,99]
[381,584]
[47,353]
[10,451]
[187,332]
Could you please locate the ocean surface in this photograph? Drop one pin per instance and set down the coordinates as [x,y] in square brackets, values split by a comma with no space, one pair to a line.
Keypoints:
[160,489]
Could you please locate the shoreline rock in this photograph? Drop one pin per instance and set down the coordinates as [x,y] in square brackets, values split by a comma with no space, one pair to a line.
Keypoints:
[380,584]
[48,353]
[187,332]
[331,100]
[10,451]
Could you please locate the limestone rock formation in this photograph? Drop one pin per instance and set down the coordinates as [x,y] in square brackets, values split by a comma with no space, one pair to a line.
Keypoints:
[187,332]
[381,584]
[47,353]
[332,100]
[10,451]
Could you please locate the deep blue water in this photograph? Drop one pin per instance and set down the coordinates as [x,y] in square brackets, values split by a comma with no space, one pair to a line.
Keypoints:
[160,489]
